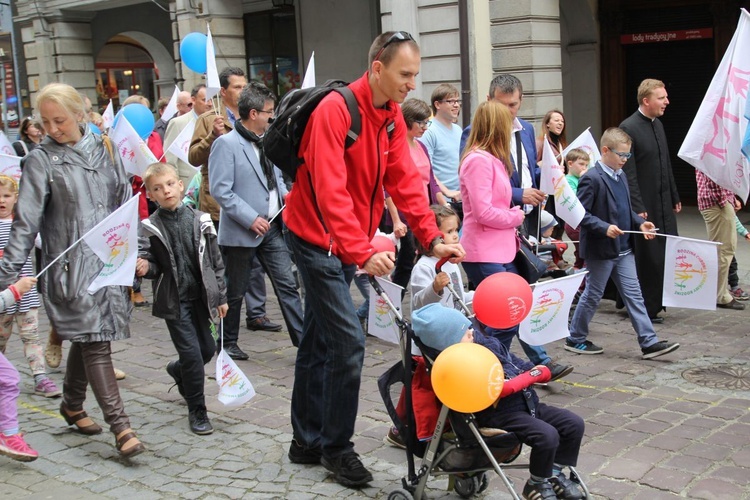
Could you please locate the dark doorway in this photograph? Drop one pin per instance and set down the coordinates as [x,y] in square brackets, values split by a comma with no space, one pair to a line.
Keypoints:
[686,68]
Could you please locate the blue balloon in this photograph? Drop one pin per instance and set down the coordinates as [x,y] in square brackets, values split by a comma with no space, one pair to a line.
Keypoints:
[95,129]
[193,51]
[140,117]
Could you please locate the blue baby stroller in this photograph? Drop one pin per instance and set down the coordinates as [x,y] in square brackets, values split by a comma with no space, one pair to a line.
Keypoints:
[457,448]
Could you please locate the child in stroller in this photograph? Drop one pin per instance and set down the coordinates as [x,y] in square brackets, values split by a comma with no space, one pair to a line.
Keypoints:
[553,434]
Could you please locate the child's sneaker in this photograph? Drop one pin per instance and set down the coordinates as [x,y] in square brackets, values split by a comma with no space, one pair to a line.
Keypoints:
[740,294]
[47,388]
[393,438]
[16,448]
[565,488]
[539,491]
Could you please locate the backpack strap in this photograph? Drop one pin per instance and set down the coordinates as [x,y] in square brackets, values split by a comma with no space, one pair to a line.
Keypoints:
[351,103]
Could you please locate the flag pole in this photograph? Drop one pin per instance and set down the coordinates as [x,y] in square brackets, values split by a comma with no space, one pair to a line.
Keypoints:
[77,242]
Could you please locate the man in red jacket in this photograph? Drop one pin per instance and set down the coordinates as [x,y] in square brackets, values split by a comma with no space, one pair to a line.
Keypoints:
[332,213]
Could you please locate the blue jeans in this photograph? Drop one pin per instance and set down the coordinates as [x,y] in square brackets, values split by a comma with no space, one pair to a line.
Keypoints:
[274,257]
[477,272]
[363,285]
[622,270]
[331,352]
[255,296]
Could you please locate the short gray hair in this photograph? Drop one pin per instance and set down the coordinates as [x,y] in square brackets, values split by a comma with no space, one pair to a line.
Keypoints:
[254,96]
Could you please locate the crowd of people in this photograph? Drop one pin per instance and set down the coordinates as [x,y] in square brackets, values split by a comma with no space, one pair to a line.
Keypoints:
[211,233]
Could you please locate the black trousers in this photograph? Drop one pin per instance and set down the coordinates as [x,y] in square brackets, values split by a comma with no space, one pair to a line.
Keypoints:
[192,338]
[554,435]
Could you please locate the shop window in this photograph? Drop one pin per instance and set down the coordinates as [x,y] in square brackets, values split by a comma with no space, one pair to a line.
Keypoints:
[124,69]
[271,39]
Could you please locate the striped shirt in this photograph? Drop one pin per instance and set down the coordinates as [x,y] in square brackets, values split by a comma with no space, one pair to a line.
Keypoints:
[30,299]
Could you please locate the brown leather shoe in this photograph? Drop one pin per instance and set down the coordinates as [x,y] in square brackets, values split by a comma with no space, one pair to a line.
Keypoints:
[263,324]
[732,305]
[89,430]
[134,450]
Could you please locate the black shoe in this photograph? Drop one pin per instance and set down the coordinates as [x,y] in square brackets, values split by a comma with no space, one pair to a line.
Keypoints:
[199,422]
[659,349]
[298,454]
[565,488]
[347,469]
[235,352]
[732,305]
[657,320]
[541,491]
[263,324]
[177,376]
[558,371]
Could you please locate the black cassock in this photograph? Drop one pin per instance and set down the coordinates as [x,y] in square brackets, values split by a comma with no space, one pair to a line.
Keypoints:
[652,190]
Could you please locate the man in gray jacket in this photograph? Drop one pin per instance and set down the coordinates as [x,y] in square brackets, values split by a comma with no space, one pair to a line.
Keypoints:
[251,192]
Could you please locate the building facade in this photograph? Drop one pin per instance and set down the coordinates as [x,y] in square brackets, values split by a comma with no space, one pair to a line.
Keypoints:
[584,57]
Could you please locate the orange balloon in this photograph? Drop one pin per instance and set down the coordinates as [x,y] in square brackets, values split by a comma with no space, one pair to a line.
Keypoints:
[503,300]
[467,377]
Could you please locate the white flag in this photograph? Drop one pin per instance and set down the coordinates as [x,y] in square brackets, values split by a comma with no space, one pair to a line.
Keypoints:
[6,147]
[567,205]
[181,144]
[587,143]
[135,155]
[309,80]
[108,118]
[234,387]
[548,319]
[212,74]
[380,322]
[171,108]
[10,165]
[691,273]
[115,241]
[713,143]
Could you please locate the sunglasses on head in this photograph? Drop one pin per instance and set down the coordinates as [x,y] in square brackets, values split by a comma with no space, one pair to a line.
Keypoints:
[399,36]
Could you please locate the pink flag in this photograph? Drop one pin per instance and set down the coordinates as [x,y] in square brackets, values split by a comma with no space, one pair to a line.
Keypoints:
[714,142]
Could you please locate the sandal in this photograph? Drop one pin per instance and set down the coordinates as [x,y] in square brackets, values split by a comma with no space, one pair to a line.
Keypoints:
[89,430]
[134,450]
[53,354]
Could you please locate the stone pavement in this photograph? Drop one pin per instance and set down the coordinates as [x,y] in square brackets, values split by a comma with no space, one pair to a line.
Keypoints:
[650,434]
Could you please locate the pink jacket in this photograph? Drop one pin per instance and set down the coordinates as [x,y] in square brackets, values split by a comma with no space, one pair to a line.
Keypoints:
[489,225]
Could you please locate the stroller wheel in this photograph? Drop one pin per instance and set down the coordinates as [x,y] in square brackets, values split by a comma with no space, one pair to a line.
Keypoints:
[400,494]
[482,482]
[466,487]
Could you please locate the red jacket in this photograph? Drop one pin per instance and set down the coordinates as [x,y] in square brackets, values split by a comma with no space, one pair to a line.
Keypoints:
[347,184]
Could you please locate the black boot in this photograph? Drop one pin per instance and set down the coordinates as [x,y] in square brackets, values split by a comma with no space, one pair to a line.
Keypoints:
[199,422]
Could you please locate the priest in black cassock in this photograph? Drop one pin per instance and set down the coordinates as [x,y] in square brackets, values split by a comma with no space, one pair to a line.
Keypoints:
[653,191]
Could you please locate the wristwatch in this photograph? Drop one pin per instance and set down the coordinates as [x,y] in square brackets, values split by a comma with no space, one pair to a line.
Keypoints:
[437,241]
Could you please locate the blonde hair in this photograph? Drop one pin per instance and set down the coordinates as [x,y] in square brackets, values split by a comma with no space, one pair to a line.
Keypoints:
[490,131]
[9,182]
[64,96]
[613,137]
[136,99]
[157,169]
[577,154]
[646,87]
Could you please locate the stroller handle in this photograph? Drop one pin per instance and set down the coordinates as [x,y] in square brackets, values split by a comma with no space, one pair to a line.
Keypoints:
[440,263]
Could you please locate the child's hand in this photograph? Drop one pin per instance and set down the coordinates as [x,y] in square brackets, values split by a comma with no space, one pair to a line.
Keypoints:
[141,267]
[399,229]
[614,231]
[25,284]
[441,281]
[223,310]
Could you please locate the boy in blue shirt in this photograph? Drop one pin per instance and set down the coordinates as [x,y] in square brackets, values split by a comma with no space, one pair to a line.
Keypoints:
[608,249]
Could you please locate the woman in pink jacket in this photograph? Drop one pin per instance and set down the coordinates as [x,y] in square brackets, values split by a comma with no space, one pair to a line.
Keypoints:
[489,225]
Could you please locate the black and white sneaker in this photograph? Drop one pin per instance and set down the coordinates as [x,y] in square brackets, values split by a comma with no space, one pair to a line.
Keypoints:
[585,347]
[659,349]
[347,469]
[565,488]
[539,491]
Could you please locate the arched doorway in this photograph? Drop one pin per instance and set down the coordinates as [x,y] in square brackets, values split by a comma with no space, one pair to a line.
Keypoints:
[132,63]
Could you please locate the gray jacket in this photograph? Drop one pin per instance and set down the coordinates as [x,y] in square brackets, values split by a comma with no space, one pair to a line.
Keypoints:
[154,247]
[64,192]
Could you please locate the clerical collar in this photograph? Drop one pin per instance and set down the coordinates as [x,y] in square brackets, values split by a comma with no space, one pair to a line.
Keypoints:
[644,115]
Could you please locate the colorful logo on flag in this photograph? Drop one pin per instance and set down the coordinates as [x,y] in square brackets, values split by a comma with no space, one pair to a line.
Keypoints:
[119,244]
[382,319]
[546,309]
[690,272]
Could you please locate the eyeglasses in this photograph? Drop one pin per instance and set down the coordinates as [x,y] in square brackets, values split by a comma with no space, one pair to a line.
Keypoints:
[270,111]
[624,156]
[399,36]
[452,102]
[423,123]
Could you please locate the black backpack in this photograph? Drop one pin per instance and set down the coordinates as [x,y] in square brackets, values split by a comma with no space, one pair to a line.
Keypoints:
[282,140]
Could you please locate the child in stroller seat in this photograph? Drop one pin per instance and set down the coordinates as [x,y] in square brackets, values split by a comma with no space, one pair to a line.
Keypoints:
[553,434]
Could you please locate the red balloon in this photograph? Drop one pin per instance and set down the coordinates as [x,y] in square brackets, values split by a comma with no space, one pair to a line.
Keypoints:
[383,244]
[503,300]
